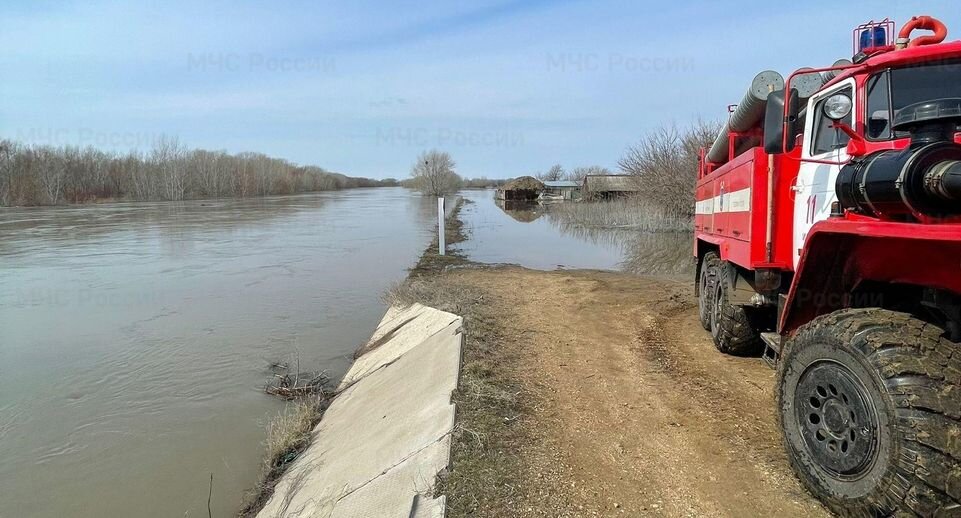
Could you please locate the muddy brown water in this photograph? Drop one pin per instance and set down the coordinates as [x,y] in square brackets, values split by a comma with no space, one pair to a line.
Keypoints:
[135,338]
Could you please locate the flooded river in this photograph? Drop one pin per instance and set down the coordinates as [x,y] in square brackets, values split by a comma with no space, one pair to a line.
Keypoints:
[135,338]
[533,236]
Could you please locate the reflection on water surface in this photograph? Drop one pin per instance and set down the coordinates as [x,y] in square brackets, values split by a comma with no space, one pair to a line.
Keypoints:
[544,240]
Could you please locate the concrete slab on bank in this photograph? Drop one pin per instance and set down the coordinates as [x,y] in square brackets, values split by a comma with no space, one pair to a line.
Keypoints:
[400,330]
[385,437]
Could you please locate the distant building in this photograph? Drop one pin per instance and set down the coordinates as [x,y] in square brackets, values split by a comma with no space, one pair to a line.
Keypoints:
[609,186]
[523,188]
[561,190]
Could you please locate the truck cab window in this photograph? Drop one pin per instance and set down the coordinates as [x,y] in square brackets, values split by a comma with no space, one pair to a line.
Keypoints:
[878,116]
[827,138]
[891,90]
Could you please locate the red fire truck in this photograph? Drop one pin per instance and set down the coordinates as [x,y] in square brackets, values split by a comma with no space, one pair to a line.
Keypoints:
[828,239]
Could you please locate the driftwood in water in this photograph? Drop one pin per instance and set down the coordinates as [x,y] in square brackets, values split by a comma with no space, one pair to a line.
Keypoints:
[295,385]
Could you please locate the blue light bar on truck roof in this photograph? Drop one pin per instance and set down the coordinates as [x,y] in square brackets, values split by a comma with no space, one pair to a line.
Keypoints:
[872,37]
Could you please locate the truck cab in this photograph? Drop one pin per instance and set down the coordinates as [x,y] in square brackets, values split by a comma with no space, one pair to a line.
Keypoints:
[828,236]
[878,90]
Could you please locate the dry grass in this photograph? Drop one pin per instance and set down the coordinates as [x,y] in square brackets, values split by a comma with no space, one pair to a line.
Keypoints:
[438,293]
[647,253]
[625,213]
[288,435]
[289,432]
[485,473]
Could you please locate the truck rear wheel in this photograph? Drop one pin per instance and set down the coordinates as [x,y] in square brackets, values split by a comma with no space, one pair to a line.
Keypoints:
[731,326]
[869,404]
[705,288]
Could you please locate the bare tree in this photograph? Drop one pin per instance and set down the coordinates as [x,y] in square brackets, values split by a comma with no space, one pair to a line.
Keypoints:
[556,172]
[434,175]
[665,162]
[202,167]
[139,177]
[97,163]
[6,170]
[260,172]
[578,173]
[51,173]
[169,159]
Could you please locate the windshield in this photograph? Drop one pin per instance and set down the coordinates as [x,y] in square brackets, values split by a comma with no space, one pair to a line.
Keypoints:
[893,89]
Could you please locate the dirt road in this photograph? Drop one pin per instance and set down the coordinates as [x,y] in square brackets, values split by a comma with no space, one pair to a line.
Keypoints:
[628,409]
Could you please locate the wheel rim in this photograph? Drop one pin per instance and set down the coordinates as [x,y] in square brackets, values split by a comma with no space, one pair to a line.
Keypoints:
[837,419]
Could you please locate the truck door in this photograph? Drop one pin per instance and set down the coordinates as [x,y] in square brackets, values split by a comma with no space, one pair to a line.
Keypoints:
[815,183]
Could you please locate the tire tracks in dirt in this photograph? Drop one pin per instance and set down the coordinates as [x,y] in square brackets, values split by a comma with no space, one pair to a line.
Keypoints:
[633,410]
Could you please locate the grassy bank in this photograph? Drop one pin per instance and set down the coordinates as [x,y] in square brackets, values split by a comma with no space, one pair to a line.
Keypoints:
[483,473]
[288,435]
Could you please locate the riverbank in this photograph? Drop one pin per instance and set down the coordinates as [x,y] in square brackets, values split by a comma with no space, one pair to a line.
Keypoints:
[594,393]
[37,175]
[386,433]
[588,393]
[290,433]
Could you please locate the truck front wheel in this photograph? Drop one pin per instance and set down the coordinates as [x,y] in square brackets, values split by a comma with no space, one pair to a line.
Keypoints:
[869,404]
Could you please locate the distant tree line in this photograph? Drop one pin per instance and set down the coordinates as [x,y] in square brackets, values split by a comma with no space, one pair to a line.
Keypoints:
[483,183]
[466,183]
[49,175]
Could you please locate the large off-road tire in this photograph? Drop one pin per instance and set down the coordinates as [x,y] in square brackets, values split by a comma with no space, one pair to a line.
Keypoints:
[732,328]
[705,288]
[869,403]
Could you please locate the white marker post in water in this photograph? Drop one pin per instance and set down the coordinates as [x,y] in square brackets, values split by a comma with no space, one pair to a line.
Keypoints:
[441,244]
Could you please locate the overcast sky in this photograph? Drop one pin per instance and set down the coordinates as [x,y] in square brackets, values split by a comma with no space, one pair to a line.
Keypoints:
[507,87]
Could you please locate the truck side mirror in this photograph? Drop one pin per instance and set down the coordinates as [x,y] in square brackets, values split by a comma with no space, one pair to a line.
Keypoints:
[775,123]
